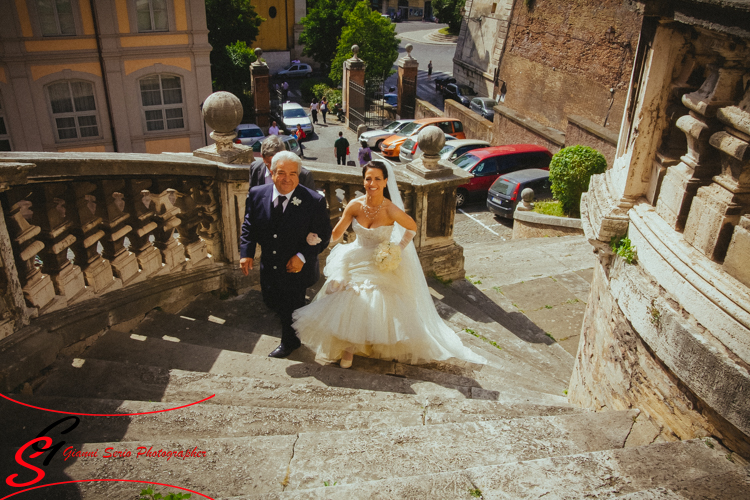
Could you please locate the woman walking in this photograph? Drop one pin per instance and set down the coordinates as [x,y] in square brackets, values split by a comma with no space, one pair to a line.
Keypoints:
[324,108]
[314,110]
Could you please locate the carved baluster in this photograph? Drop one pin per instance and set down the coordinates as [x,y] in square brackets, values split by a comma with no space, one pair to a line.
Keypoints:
[140,203]
[717,208]
[335,207]
[172,252]
[87,227]
[210,231]
[116,228]
[191,217]
[700,162]
[38,289]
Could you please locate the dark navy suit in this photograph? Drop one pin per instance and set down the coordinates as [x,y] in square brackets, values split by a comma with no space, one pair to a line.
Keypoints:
[306,212]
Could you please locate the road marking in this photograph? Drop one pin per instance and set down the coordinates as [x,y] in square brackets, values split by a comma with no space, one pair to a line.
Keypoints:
[478,222]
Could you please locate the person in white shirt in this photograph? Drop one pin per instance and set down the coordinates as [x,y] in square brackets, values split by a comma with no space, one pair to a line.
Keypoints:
[273,129]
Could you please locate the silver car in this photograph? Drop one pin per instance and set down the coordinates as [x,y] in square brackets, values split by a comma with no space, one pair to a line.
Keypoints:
[484,106]
[290,143]
[375,137]
[296,70]
[454,149]
[248,134]
[410,148]
[292,115]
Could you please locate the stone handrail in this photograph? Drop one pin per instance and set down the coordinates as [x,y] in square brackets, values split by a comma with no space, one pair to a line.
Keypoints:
[89,240]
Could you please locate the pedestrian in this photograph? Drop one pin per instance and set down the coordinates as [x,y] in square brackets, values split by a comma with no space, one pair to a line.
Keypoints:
[285,90]
[340,149]
[300,134]
[429,69]
[324,108]
[273,129]
[314,110]
[365,153]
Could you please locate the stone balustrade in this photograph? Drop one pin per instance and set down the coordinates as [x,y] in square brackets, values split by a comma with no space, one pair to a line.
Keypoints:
[89,240]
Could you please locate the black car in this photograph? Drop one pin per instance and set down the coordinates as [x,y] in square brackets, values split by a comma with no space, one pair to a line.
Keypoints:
[460,93]
[505,192]
[440,83]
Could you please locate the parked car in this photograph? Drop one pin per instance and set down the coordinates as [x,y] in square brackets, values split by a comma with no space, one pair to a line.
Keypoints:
[487,164]
[483,106]
[454,149]
[296,70]
[375,137]
[391,147]
[460,93]
[293,114]
[440,83]
[290,143]
[248,134]
[505,193]
[410,148]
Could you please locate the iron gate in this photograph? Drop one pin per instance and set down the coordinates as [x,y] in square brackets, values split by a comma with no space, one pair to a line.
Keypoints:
[277,100]
[367,105]
[357,106]
[408,97]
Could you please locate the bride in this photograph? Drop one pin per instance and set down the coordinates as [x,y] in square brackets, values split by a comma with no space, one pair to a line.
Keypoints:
[372,305]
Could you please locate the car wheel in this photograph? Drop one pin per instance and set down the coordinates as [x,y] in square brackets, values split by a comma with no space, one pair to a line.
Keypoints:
[379,143]
[461,196]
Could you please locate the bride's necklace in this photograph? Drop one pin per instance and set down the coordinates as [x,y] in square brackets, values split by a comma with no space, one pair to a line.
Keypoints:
[372,212]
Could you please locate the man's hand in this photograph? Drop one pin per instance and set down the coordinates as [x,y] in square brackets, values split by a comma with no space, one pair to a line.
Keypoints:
[246,263]
[294,265]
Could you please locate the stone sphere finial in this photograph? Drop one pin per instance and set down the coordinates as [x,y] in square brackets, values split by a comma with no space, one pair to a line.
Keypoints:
[222,111]
[355,51]
[527,195]
[409,47]
[527,201]
[431,140]
[258,52]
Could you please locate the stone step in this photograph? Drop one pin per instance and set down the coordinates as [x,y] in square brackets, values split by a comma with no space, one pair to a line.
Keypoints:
[92,378]
[502,372]
[254,466]
[687,469]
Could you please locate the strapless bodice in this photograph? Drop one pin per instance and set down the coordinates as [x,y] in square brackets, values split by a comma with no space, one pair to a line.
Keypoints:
[371,236]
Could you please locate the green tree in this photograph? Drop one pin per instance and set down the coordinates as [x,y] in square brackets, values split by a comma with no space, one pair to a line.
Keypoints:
[233,27]
[322,28]
[570,171]
[449,12]
[376,38]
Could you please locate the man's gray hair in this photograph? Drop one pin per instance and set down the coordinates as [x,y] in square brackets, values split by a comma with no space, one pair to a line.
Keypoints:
[271,145]
[285,156]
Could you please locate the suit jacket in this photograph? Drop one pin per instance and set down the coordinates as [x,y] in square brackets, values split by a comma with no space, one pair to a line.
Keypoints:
[258,174]
[305,213]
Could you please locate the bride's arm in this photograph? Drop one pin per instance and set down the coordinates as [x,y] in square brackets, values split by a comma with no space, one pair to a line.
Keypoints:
[403,219]
[345,221]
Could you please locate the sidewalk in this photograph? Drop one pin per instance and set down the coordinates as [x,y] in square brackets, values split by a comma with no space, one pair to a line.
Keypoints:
[319,148]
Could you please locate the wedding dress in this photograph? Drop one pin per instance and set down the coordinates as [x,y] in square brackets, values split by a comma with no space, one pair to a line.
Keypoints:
[380,314]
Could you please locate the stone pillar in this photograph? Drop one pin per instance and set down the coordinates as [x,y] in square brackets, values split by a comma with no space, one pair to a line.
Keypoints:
[701,161]
[260,84]
[434,207]
[222,111]
[354,72]
[717,208]
[407,94]
[140,202]
[116,227]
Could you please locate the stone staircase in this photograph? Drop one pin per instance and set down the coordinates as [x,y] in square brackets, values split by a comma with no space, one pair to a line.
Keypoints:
[436,36]
[286,428]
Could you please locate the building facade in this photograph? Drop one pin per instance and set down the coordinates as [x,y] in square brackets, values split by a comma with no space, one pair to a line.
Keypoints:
[103,75]
[279,33]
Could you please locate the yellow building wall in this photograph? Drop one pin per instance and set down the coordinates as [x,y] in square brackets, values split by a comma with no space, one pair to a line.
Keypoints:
[136,64]
[180,15]
[90,149]
[275,32]
[43,70]
[171,145]
[24,19]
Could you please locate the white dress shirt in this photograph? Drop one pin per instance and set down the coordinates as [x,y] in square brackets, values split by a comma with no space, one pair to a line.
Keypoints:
[274,202]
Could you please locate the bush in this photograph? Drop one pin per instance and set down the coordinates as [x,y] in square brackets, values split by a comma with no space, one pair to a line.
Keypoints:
[570,171]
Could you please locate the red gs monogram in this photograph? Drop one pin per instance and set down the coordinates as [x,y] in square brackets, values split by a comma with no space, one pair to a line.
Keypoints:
[20,461]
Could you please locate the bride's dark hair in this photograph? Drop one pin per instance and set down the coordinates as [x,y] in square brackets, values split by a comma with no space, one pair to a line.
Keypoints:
[380,166]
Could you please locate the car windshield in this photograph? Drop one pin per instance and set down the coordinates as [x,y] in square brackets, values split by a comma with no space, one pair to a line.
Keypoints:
[489,103]
[410,128]
[447,149]
[394,126]
[291,144]
[466,162]
[503,187]
[249,132]
[466,90]
[295,113]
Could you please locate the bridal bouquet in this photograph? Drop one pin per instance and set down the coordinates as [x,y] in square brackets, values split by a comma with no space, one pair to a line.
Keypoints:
[387,256]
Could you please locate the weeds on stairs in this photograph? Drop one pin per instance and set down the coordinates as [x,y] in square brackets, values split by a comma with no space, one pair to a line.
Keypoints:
[482,337]
[148,494]
[475,492]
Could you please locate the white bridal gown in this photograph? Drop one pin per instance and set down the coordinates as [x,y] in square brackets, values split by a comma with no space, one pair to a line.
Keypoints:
[374,313]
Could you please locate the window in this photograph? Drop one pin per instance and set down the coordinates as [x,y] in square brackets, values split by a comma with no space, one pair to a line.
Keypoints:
[56,17]
[4,137]
[73,110]
[487,167]
[161,96]
[152,15]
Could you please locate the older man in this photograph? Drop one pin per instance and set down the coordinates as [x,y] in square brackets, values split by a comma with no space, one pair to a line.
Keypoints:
[260,169]
[291,224]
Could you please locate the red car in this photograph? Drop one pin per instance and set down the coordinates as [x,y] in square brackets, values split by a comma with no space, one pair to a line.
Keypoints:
[487,164]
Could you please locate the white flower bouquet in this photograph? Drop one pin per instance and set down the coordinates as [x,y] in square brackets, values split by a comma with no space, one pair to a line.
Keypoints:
[387,256]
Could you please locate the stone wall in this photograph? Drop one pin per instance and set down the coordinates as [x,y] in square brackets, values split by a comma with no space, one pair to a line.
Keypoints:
[475,126]
[512,128]
[587,133]
[535,225]
[424,109]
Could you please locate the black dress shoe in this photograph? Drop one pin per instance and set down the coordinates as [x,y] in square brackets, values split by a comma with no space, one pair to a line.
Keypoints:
[282,351]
